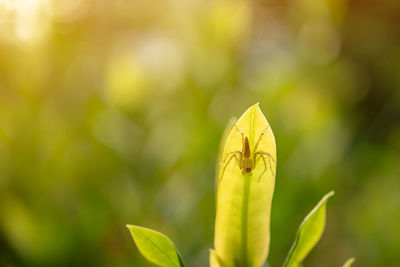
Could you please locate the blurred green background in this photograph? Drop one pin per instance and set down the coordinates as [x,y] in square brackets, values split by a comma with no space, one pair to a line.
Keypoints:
[111,112]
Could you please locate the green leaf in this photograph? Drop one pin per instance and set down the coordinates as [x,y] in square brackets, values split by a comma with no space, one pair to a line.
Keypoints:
[214,261]
[349,262]
[156,247]
[308,234]
[225,136]
[242,224]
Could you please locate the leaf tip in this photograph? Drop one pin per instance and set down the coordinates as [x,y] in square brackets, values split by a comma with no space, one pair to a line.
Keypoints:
[134,229]
[349,262]
[256,105]
[131,227]
[328,195]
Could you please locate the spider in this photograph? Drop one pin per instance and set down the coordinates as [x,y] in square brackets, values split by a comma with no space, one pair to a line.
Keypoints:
[245,159]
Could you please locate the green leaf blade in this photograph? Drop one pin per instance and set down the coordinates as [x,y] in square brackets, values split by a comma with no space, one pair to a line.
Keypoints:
[156,247]
[214,261]
[308,234]
[225,135]
[349,262]
[242,224]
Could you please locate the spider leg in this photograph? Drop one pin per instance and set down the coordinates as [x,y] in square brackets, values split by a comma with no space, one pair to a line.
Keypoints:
[270,164]
[226,165]
[241,133]
[262,154]
[266,154]
[230,153]
[265,167]
[259,138]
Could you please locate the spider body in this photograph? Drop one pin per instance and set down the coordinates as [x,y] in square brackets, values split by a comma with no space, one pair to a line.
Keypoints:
[246,163]
[245,159]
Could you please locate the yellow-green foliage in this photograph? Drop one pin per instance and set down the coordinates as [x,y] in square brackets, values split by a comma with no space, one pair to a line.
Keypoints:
[156,247]
[244,196]
[242,225]
[309,233]
[349,262]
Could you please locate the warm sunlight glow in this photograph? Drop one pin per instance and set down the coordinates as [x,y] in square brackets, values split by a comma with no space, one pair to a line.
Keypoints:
[22,20]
